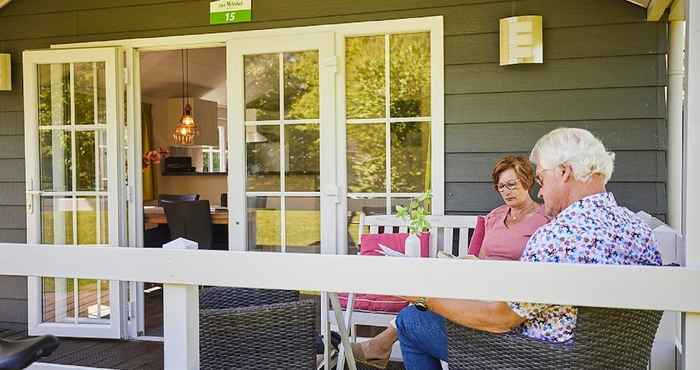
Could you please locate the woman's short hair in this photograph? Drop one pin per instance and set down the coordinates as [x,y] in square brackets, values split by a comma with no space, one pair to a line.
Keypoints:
[519,164]
[577,148]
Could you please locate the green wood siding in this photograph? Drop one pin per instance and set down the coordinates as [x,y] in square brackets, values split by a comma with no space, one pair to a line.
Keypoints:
[604,70]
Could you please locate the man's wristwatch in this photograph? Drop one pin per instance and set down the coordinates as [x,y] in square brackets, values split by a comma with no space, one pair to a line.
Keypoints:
[421,303]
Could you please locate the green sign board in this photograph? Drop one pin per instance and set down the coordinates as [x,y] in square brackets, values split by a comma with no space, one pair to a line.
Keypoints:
[230,11]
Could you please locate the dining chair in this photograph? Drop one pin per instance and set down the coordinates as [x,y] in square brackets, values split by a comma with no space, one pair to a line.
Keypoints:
[190,220]
[162,198]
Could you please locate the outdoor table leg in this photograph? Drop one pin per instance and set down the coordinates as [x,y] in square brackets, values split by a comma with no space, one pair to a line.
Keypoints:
[345,338]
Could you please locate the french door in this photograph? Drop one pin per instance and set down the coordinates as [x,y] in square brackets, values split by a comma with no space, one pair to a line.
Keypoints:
[283,191]
[72,174]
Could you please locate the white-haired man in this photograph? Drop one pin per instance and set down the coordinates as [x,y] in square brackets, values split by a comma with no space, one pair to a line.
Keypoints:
[588,226]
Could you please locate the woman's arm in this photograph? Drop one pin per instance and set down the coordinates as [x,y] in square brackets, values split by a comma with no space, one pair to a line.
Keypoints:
[494,317]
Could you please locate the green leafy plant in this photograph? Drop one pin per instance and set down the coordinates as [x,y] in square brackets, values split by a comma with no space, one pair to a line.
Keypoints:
[416,213]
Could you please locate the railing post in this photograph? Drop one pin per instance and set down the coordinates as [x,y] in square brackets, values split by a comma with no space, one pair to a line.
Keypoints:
[181,319]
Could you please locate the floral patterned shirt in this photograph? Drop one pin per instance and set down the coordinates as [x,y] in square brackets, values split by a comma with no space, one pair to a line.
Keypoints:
[592,230]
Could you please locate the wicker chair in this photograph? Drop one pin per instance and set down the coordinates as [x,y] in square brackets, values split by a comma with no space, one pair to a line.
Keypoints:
[256,329]
[605,339]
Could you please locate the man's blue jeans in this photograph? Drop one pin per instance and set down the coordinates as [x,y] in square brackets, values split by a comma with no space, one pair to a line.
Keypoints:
[423,339]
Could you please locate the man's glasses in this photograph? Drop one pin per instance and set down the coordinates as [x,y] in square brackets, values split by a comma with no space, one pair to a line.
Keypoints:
[510,186]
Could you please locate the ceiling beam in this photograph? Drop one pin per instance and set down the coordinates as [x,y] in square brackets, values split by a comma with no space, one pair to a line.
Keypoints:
[656,9]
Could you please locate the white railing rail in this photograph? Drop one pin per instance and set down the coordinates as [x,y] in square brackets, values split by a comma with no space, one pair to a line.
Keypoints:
[640,287]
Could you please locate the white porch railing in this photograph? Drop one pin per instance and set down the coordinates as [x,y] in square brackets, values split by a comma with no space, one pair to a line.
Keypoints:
[640,287]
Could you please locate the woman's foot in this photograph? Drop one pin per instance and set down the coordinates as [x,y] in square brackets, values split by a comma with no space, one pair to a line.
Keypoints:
[371,354]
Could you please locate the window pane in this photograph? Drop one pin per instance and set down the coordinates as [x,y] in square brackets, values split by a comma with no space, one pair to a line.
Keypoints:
[264,220]
[87,152]
[102,159]
[55,160]
[364,77]
[85,94]
[101,93]
[374,206]
[301,98]
[87,220]
[366,158]
[262,87]
[58,301]
[410,157]
[410,81]
[302,165]
[54,94]
[263,158]
[105,307]
[303,224]
[87,299]
[56,220]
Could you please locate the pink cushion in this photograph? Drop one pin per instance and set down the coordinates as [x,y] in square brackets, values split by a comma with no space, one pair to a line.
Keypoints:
[369,243]
[374,302]
[477,236]
[369,246]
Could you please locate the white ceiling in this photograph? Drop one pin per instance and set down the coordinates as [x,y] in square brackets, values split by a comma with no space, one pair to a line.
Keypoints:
[161,74]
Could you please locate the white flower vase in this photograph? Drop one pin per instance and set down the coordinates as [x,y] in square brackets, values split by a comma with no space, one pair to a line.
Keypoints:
[412,246]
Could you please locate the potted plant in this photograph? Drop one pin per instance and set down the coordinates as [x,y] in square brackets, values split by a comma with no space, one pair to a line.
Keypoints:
[417,214]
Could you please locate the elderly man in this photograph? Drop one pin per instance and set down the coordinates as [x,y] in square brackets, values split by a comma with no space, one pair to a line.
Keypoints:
[588,226]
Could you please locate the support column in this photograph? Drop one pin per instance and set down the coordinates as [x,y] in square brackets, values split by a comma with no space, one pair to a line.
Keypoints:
[674,153]
[181,319]
[691,188]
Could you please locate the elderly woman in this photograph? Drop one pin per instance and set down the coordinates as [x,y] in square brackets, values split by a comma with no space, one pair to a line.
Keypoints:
[573,168]
[507,230]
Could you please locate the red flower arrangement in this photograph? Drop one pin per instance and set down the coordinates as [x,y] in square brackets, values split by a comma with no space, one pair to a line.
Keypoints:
[154,157]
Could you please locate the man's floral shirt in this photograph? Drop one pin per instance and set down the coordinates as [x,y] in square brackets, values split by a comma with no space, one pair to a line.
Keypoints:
[592,230]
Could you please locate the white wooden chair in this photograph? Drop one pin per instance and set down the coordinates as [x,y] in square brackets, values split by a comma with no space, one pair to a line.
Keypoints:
[444,231]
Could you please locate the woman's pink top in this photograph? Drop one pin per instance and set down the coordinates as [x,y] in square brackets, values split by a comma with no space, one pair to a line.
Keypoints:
[503,242]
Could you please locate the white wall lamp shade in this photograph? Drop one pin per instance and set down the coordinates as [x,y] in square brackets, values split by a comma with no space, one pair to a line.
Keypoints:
[521,40]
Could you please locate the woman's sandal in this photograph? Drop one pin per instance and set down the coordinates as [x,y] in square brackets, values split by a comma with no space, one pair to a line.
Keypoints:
[379,363]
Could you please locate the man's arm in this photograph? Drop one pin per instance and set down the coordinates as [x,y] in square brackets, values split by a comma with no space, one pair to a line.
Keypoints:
[495,317]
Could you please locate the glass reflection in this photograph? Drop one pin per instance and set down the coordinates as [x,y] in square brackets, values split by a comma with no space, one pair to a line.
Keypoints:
[54,94]
[301,99]
[264,220]
[57,220]
[365,77]
[302,171]
[55,160]
[410,157]
[366,158]
[410,81]
[303,224]
[263,160]
[262,87]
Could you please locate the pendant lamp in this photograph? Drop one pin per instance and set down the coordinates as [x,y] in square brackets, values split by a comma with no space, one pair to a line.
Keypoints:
[186,129]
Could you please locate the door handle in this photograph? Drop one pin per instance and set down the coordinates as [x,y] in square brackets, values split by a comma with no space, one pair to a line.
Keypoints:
[30,200]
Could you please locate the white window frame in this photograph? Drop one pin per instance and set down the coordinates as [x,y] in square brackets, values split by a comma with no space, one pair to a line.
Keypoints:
[77,327]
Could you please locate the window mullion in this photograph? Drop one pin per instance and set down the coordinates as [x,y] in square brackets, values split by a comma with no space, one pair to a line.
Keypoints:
[387,122]
[283,167]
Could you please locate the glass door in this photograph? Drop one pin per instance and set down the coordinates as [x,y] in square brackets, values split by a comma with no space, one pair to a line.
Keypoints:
[282,186]
[72,183]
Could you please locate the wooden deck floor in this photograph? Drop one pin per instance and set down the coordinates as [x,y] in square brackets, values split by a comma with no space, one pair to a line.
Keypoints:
[101,353]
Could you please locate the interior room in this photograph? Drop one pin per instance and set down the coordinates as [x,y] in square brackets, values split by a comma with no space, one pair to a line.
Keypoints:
[183,131]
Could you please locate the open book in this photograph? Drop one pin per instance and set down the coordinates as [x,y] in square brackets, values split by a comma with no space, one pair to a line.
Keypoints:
[383,249]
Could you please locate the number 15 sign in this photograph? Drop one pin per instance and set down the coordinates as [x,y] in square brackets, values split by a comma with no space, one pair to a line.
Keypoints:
[229,11]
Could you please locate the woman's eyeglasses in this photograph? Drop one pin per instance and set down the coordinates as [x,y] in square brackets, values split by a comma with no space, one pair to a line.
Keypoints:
[510,186]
